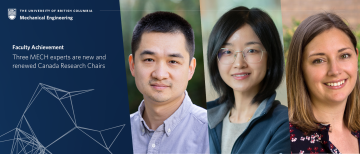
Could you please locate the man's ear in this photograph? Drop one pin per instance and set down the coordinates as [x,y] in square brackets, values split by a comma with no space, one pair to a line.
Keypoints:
[192,67]
[357,51]
[132,65]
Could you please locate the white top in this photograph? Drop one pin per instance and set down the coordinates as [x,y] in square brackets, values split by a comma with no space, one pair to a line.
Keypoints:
[232,131]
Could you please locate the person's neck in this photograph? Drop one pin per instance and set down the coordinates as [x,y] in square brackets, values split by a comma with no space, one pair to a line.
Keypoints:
[330,113]
[156,113]
[243,108]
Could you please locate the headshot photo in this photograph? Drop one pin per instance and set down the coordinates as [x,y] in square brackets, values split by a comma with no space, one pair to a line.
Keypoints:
[162,63]
[323,83]
[245,63]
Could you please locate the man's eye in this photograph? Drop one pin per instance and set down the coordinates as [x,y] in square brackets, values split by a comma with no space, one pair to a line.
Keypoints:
[148,60]
[317,61]
[173,62]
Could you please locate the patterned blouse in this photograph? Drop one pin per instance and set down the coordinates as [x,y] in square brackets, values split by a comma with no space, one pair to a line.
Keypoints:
[314,142]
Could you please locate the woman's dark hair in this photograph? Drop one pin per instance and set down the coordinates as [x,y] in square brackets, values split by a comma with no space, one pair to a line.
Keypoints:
[266,31]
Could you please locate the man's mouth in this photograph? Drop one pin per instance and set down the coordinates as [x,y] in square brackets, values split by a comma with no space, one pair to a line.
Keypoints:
[155,85]
[160,86]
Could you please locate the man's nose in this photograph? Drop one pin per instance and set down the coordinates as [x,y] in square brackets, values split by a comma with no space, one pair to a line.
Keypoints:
[160,71]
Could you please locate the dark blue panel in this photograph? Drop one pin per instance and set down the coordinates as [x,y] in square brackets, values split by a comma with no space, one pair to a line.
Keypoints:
[63,110]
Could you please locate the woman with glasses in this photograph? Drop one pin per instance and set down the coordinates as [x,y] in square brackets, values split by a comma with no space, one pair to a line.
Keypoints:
[245,59]
[323,87]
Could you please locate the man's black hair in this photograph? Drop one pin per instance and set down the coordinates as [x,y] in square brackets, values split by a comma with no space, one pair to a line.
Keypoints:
[164,22]
[266,31]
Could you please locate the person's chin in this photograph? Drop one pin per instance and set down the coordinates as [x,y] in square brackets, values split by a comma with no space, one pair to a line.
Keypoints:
[240,88]
[338,97]
[160,96]
[160,99]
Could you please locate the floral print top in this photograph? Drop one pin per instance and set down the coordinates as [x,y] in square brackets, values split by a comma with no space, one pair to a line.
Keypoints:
[314,142]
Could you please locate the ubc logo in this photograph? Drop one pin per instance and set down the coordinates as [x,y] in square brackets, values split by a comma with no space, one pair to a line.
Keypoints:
[12,13]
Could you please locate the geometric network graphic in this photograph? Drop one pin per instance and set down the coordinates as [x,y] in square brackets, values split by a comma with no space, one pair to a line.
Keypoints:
[24,138]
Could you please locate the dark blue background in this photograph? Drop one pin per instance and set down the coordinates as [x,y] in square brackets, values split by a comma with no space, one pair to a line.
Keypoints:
[89,34]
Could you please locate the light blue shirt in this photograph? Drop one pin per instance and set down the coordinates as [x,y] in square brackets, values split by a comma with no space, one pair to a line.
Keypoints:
[185,131]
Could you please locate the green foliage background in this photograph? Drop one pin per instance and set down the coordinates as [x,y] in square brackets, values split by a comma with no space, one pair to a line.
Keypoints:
[357,35]
[132,11]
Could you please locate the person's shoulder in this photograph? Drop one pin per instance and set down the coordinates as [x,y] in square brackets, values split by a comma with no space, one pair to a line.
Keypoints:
[212,104]
[294,128]
[297,133]
[134,116]
[277,115]
[279,109]
[199,113]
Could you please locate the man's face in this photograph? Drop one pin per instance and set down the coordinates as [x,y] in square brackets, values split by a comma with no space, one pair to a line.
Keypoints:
[161,66]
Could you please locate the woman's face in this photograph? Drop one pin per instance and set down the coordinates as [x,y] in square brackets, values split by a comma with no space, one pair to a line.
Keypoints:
[240,74]
[330,68]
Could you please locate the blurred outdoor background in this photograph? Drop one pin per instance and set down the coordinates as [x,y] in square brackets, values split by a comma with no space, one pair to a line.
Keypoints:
[295,11]
[212,10]
[132,11]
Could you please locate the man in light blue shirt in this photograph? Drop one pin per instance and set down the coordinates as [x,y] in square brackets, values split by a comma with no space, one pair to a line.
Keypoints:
[162,63]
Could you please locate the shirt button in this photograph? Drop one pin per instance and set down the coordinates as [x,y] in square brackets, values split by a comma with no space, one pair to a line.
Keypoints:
[169,130]
[153,145]
[142,130]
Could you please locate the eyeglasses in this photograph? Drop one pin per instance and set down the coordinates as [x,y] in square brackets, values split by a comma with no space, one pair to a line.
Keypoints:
[251,54]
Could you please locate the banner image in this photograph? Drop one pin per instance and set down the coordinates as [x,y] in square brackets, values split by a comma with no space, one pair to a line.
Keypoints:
[179,76]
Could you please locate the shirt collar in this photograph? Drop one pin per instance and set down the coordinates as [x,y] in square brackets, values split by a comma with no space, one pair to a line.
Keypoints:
[142,121]
[171,122]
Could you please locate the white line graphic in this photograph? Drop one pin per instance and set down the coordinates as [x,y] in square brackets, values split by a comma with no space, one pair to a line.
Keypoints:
[26,142]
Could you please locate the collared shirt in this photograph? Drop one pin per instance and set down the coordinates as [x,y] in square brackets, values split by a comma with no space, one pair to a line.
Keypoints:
[185,131]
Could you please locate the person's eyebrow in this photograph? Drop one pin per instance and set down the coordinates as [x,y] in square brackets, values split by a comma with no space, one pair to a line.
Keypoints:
[342,49]
[226,43]
[250,43]
[147,52]
[322,54]
[176,55]
[317,54]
